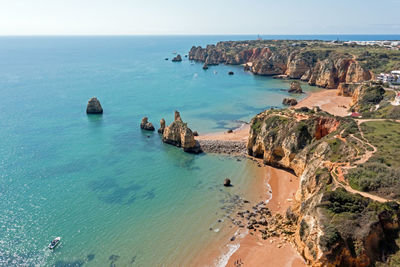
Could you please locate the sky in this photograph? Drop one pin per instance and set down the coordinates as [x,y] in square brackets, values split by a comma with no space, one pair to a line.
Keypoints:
[128,17]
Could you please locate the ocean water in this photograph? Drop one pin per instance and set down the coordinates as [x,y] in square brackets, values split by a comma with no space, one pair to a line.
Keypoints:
[117,195]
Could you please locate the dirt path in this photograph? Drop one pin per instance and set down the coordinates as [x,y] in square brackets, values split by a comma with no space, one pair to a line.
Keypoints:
[340,169]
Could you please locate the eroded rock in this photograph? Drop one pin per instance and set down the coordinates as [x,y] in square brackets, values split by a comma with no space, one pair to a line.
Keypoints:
[94,106]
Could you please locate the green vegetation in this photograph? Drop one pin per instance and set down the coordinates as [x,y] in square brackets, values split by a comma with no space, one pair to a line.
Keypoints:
[381,174]
[385,136]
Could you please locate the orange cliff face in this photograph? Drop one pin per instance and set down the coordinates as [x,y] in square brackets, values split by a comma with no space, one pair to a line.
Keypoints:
[328,70]
[304,141]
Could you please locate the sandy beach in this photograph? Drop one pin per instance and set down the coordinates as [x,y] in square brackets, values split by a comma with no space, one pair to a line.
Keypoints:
[327,100]
[253,250]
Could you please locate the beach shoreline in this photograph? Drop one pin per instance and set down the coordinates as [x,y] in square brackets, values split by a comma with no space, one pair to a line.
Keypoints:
[252,249]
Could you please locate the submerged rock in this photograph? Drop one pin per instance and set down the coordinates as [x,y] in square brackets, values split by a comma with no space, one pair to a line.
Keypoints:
[162,126]
[205,66]
[295,87]
[180,135]
[178,58]
[146,125]
[230,73]
[289,101]
[94,106]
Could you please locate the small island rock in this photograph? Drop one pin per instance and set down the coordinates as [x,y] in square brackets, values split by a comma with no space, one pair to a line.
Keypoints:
[94,106]
[180,135]
[146,125]
[295,87]
[178,58]
[289,101]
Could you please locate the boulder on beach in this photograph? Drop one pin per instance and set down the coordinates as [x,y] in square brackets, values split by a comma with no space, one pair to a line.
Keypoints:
[178,58]
[146,125]
[195,133]
[289,101]
[162,126]
[295,87]
[180,135]
[230,131]
[94,106]
[227,182]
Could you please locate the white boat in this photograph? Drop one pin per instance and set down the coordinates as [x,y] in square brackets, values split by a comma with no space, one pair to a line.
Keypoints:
[54,243]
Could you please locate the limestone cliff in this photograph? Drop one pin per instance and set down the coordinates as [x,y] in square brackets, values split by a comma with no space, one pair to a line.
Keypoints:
[324,68]
[333,226]
[180,135]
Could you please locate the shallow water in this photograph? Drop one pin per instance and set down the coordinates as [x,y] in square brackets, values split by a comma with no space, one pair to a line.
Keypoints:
[115,194]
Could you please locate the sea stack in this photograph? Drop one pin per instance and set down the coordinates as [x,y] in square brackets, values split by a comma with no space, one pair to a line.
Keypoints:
[178,58]
[146,125]
[94,106]
[295,87]
[180,135]
[162,126]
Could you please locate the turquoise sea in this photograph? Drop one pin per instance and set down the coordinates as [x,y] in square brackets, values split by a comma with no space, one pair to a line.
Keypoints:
[117,196]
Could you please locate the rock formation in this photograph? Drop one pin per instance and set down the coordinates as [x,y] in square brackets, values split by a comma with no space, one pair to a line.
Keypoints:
[205,66]
[162,126]
[180,135]
[289,102]
[332,227]
[323,68]
[227,182]
[178,58]
[295,88]
[230,73]
[94,106]
[146,125]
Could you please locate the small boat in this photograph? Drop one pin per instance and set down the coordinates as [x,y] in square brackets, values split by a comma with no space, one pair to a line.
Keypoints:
[54,243]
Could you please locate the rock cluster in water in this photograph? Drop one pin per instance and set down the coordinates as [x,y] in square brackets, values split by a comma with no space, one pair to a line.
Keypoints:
[146,125]
[295,87]
[94,106]
[178,58]
[289,102]
[180,135]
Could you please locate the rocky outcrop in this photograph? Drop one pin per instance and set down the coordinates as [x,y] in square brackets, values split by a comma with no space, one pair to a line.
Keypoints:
[146,125]
[295,88]
[178,58]
[94,106]
[347,89]
[332,227]
[162,126]
[289,102]
[180,135]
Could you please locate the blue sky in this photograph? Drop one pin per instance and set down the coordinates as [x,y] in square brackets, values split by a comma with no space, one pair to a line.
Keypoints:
[97,17]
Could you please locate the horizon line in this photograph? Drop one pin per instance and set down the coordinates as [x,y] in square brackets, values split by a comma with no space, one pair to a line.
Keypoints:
[194,34]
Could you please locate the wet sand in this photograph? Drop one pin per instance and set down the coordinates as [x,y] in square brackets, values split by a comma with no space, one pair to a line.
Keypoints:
[327,100]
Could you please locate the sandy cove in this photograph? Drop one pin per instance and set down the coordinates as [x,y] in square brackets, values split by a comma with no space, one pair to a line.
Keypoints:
[253,250]
[327,100]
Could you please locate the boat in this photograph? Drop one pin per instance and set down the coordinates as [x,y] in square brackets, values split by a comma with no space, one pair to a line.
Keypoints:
[54,243]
